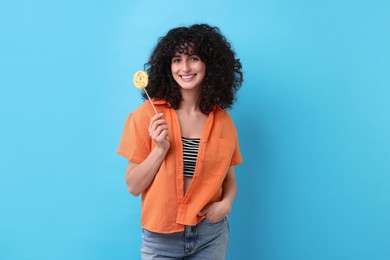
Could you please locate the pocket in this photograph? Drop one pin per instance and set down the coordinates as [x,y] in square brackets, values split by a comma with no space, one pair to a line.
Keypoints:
[146,234]
[219,153]
[216,223]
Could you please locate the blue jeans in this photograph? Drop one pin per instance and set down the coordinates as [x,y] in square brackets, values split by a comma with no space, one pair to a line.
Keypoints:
[204,241]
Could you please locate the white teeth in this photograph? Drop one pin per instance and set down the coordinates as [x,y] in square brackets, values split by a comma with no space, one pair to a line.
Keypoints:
[187,77]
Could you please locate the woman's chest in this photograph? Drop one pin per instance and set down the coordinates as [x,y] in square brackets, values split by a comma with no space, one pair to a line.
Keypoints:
[191,126]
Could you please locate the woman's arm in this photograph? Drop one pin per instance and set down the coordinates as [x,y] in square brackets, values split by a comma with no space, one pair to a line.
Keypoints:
[229,187]
[214,212]
[140,176]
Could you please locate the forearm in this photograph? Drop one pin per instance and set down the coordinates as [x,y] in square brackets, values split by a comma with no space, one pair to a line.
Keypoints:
[214,212]
[229,187]
[140,176]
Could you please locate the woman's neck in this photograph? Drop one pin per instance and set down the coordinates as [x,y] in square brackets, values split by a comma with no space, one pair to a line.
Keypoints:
[190,102]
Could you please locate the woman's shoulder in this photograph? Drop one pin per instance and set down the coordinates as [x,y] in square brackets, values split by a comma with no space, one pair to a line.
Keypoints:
[224,122]
[146,108]
[222,115]
[224,125]
[141,109]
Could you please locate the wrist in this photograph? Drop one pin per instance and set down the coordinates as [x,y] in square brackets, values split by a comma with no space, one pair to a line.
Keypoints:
[160,150]
[227,204]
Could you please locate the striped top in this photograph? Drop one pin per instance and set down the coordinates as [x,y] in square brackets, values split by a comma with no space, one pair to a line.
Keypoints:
[190,153]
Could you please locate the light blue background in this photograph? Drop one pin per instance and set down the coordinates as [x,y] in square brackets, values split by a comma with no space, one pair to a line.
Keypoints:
[313,118]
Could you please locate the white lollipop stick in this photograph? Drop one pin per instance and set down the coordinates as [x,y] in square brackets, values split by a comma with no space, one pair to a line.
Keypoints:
[150,101]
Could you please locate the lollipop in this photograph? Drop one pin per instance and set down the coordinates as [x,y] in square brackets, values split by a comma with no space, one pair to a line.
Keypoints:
[141,80]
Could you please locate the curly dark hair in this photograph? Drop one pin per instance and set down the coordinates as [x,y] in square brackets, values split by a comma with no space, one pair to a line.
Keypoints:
[223,71]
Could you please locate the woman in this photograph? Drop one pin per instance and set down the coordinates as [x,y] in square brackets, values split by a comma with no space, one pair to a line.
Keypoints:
[182,159]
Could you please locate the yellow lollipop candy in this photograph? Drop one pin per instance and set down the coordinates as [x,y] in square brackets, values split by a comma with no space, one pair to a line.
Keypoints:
[141,80]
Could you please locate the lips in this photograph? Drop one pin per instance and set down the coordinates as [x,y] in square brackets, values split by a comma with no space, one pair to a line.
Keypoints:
[187,77]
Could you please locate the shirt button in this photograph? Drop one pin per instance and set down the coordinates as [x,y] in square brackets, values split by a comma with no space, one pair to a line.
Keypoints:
[203,140]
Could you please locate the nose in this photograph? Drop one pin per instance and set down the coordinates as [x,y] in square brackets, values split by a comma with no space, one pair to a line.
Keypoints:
[185,66]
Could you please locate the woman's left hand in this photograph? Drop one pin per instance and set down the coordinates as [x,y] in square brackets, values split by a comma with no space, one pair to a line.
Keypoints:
[216,211]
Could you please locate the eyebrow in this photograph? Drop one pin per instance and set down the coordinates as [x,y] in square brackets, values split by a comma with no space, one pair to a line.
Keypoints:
[179,56]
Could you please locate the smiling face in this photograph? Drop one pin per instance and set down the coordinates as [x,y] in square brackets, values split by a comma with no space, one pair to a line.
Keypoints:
[189,71]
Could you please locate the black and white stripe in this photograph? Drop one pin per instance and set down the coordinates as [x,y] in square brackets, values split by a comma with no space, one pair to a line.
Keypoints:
[190,153]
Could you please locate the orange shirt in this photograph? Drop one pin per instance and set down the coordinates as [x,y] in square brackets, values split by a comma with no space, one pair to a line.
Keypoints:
[165,207]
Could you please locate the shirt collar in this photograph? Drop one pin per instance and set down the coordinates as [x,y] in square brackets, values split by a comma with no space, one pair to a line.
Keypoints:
[163,102]
[217,107]
[159,102]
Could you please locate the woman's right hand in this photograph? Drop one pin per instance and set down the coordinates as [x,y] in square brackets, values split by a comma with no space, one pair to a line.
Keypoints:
[158,131]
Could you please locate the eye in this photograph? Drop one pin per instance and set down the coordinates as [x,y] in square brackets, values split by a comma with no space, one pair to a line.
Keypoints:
[195,58]
[175,60]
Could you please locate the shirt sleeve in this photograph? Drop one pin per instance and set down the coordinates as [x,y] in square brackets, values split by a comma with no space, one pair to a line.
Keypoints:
[236,158]
[135,143]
